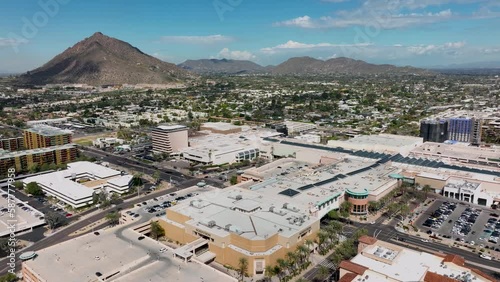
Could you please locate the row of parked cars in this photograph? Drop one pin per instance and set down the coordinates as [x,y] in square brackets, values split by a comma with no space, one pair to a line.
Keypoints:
[160,207]
[493,228]
[463,226]
[437,218]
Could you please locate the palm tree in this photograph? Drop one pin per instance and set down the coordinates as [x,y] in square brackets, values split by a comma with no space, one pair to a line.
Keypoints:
[242,268]
[291,259]
[303,253]
[426,189]
[323,273]
[322,238]
[310,244]
[269,272]
[283,265]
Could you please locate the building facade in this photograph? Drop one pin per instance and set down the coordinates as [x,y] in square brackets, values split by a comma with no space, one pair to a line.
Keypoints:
[12,144]
[23,160]
[169,139]
[43,136]
[434,130]
[460,129]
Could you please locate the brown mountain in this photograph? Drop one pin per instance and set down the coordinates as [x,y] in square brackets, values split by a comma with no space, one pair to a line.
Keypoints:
[103,60]
[309,66]
[222,66]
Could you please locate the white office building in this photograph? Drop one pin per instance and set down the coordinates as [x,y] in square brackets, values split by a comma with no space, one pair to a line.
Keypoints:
[76,185]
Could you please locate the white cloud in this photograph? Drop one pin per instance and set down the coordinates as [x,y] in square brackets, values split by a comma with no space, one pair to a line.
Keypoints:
[372,19]
[391,14]
[235,55]
[290,45]
[199,40]
[446,47]
[6,42]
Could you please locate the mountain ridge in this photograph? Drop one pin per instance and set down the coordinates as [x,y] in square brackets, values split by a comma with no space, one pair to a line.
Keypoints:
[104,60]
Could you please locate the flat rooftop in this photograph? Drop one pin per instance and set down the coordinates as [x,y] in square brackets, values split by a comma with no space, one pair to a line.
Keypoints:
[171,127]
[244,212]
[93,169]
[220,125]
[458,151]
[23,219]
[317,182]
[384,139]
[61,182]
[404,264]
[46,130]
[7,154]
[116,250]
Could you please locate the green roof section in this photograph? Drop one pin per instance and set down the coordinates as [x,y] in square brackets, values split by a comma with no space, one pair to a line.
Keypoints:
[396,176]
[358,192]
[328,199]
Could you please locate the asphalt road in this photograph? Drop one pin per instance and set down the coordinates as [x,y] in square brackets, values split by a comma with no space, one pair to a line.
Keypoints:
[183,181]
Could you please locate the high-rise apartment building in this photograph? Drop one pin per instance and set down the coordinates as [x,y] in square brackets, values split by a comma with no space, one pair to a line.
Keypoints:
[460,129]
[23,160]
[12,144]
[43,136]
[169,138]
[434,130]
[477,130]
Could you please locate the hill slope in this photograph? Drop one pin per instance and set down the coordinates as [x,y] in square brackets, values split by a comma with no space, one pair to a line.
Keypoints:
[101,60]
[308,66]
[223,66]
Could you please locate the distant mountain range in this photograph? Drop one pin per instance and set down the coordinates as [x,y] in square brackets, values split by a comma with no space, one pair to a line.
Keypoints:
[308,65]
[295,66]
[474,65]
[103,60]
[222,66]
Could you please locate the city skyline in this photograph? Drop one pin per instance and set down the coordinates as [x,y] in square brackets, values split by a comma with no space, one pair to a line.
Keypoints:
[422,34]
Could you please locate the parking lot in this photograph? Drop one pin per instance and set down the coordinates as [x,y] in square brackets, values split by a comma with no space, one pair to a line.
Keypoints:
[471,225]
[156,207]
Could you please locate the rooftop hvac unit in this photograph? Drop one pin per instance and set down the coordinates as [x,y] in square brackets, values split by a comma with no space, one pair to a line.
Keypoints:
[211,223]
[271,209]
[238,197]
[285,205]
[228,227]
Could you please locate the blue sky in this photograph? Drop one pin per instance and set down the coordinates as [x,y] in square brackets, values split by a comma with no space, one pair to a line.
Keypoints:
[401,32]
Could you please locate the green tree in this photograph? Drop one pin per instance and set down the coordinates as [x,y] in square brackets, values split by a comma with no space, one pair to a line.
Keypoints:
[323,273]
[9,277]
[137,179]
[234,180]
[113,218]
[156,230]
[156,176]
[242,268]
[33,189]
[34,168]
[18,185]
[345,209]
[269,272]
[426,190]
[54,220]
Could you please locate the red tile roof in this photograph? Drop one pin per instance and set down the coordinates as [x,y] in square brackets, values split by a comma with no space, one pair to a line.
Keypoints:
[348,277]
[352,267]
[434,277]
[367,240]
[458,260]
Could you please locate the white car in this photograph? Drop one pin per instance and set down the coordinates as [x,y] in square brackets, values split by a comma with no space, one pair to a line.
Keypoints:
[425,240]
[485,257]
[472,243]
[162,250]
